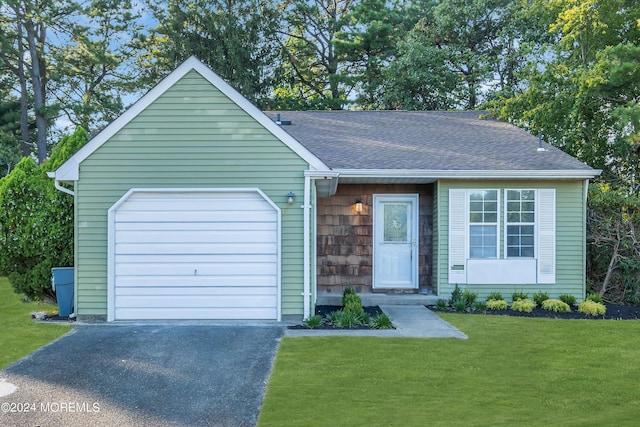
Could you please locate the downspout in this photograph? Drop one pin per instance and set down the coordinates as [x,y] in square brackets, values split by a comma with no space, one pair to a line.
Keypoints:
[59,186]
[306,294]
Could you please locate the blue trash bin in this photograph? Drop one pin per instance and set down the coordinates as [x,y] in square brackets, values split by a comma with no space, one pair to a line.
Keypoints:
[62,284]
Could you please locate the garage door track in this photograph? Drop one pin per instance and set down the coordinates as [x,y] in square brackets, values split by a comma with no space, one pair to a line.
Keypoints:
[149,375]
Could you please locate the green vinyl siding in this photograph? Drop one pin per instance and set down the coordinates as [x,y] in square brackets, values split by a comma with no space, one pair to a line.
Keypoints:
[192,136]
[570,237]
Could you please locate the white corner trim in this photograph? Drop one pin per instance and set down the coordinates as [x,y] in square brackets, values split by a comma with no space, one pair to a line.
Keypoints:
[468,174]
[69,171]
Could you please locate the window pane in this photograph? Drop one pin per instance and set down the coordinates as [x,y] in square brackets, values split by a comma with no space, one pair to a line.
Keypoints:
[482,241]
[475,217]
[491,207]
[528,194]
[527,217]
[395,222]
[491,217]
[513,217]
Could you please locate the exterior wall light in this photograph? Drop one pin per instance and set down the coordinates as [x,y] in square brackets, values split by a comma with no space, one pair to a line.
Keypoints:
[359,205]
[291,197]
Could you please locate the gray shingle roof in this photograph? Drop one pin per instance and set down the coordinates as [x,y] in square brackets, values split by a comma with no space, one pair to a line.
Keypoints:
[421,140]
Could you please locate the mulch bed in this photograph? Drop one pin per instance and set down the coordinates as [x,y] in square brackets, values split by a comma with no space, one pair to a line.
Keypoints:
[614,312]
[323,310]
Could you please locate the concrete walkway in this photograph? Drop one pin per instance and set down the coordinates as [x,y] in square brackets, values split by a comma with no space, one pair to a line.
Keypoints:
[411,321]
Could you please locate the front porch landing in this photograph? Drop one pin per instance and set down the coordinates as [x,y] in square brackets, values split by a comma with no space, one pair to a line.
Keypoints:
[380,299]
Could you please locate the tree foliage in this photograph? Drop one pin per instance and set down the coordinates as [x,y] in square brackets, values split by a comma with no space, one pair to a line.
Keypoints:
[36,222]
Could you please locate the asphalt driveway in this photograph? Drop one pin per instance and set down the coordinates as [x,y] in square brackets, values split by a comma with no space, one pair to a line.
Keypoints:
[143,375]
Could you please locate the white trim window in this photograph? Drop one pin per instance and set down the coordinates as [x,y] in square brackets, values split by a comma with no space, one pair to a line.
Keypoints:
[520,213]
[477,252]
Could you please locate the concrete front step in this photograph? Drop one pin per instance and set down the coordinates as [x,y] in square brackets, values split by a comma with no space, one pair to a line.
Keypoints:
[380,299]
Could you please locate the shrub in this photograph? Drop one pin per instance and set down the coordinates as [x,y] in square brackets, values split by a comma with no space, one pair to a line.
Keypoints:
[346,319]
[540,297]
[381,321]
[441,303]
[479,306]
[495,296]
[518,295]
[556,305]
[497,304]
[349,290]
[592,308]
[524,305]
[314,321]
[460,306]
[469,297]
[456,296]
[595,297]
[568,299]
[36,222]
[353,303]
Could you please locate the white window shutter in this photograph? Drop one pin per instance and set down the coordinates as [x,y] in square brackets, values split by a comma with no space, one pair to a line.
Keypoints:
[546,235]
[457,236]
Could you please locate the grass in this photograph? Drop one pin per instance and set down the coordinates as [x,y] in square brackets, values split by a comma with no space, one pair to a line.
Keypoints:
[511,371]
[19,335]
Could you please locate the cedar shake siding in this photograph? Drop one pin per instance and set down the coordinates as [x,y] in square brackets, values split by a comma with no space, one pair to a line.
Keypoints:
[345,237]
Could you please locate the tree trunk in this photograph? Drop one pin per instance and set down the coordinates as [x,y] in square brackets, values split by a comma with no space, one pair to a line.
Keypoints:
[38,80]
[24,95]
[612,263]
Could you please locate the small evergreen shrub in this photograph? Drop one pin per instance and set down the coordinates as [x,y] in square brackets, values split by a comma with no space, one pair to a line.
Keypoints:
[441,303]
[495,296]
[349,290]
[556,306]
[381,321]
[518,295]
[540,297]
[595,297]
[568,299]
[456,296]
[524,305]
[354,306]
[333,316]
[469,297]
[592,308]
[497,304]
[314,321]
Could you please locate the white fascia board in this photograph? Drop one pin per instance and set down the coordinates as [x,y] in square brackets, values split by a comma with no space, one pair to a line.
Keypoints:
[468,174]
[68,171]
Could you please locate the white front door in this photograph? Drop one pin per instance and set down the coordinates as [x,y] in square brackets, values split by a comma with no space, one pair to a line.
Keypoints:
[395,252]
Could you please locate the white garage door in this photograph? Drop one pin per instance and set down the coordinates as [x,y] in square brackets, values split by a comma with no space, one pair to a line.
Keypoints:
[195,255]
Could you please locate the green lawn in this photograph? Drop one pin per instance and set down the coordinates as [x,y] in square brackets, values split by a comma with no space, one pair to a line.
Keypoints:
[19,335]
[511,371]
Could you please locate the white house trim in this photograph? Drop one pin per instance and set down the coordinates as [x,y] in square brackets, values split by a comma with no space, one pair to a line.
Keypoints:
[434,175]
[69,171]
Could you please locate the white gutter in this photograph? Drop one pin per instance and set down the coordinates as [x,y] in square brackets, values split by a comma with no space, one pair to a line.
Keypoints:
[464,174]
[58,186]
[306,294]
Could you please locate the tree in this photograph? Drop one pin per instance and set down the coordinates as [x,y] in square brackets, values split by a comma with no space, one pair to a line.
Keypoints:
[36,222]
[233,37]
[94,70]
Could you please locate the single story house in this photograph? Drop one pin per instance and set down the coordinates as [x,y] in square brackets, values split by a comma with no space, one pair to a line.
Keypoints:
[194,204]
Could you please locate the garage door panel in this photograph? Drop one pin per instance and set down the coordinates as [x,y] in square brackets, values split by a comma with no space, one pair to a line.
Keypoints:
[195,248]
[195,259]
[232,313]
[197,290]
[197,236]
[198,270]
[179,281]
[197,204]
[202,301]
[193,216]
[197,226]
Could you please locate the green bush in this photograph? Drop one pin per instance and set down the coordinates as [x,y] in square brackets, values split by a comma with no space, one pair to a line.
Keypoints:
[592,308]
[497,304]
[36,222]
[556,305]
[568,299]
[524,305]
[457,296]
[441,303]
[479,306]
[314,321]
[595,297]
[495,296]
[460,306]
[349,290]
[346,319]
[540,297]
[381,321]
[469,297]
[353,303]
[517,295]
